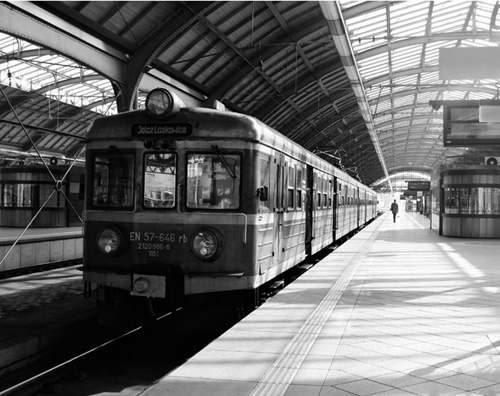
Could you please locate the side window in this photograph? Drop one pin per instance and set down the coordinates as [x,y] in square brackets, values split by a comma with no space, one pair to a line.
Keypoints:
[326,192]
[330,193]
[265,182]
[315,188]
[299,187]
[291,187]
[319,190]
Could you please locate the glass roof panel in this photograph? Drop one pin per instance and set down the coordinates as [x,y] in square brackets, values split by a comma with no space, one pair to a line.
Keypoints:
[406,81]
[449,16]
[404,101]
[374,67]
[407,19]
[406,57]
[50,73]
[368,30]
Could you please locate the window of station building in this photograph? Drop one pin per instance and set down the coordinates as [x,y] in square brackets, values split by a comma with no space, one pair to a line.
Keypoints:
[472,200]
[112,179]
[291,188]
[213,181]
[484,200]
[160,171]
[30,195]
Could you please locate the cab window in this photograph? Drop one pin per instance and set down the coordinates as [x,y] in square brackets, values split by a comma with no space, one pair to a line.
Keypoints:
[160,170]
[112,179]
[213,181]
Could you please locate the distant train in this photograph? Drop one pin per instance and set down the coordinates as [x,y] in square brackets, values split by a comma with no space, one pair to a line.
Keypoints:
[185,203]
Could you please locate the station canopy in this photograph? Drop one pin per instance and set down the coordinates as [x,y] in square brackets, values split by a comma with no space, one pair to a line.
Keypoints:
[348,80]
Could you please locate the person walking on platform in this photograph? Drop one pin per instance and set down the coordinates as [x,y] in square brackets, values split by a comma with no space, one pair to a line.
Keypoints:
[394,210]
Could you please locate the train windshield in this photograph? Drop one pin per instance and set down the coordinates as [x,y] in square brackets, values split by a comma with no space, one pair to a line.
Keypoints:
[213,181]
[113,179]
[159,180]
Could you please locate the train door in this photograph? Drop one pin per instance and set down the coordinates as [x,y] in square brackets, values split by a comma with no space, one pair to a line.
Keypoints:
[309,208]
[279,206]
[365,207]
[358,206]
[265,239]
[335,207]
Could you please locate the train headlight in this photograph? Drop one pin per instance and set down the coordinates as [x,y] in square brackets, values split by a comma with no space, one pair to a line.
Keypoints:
[159,102]
[109,241]
[205,244]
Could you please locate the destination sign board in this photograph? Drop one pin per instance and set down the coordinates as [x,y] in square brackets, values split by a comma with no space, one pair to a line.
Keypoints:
[419,185]
[161,129]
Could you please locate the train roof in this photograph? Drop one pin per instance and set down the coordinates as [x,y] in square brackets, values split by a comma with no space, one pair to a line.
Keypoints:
[209,124]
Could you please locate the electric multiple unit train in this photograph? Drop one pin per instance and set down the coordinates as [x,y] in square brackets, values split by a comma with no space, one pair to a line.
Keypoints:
[186,203]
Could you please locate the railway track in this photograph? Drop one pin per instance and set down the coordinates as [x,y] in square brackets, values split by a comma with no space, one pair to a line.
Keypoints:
[134,360]
[86,370]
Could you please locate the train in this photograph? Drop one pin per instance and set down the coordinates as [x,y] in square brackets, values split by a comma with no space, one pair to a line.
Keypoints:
[188,204]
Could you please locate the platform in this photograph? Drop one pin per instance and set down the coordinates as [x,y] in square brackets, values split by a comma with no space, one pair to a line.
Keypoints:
[396,310]
[39,246]
[9,234]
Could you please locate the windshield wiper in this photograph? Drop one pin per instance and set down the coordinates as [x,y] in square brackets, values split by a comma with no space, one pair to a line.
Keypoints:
[220,155]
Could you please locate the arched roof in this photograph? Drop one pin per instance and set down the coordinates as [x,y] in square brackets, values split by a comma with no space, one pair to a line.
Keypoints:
[349,80]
